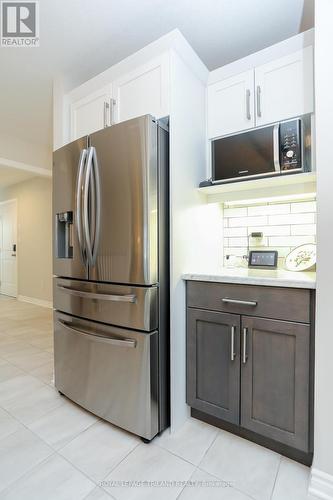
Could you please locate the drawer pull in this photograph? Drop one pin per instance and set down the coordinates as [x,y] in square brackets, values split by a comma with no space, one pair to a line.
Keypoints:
[98,296]
[251,303]
[100,338]
[244,345]
[233,354]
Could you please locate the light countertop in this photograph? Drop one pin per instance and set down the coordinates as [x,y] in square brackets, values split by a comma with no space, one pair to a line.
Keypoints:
[266,277]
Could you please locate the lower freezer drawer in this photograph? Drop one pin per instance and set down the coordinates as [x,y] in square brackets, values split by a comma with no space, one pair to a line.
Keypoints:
[110,371]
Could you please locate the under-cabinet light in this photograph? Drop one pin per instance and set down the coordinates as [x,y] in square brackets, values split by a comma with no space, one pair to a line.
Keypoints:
[272,199]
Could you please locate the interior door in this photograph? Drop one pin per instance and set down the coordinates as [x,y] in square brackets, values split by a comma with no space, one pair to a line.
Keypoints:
[68,176]
[8,242]
[213,367]
[126,158]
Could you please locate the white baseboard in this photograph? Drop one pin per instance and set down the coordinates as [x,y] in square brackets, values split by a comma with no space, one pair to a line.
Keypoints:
[37,302]
[321,485]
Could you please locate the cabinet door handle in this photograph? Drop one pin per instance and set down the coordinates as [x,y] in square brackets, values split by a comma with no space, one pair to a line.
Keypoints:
[112,105]
[244,345]
[105,118]
[248,109]
[258,100]
[233,354]
[240,302]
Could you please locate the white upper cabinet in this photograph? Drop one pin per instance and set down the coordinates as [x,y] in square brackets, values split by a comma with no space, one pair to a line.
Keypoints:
[231,105]
[91,113]
[143,90]
[277,90]
[284,87]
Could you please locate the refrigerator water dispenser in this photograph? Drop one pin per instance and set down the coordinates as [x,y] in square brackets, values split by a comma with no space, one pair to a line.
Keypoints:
[64,225]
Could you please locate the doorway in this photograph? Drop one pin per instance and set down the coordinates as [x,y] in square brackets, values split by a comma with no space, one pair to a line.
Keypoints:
[8,248]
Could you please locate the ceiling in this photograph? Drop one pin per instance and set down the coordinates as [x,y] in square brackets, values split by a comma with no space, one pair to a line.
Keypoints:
[10,176]
[81,38]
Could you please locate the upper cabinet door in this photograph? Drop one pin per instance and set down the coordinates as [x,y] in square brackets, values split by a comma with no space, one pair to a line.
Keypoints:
[91,113]
[143,91]
[231,105]
[284,87]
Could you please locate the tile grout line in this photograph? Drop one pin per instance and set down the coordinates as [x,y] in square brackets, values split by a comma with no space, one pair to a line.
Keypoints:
[276,476]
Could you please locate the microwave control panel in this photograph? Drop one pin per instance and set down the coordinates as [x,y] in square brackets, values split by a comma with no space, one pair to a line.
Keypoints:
[290,145]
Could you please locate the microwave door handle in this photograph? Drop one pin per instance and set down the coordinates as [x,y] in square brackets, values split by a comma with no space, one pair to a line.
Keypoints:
[276,148]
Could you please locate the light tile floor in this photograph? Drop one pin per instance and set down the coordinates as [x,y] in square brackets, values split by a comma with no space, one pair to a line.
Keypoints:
[51,448]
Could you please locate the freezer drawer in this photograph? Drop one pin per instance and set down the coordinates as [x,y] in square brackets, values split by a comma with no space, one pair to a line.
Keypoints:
[125,306]
[110,371]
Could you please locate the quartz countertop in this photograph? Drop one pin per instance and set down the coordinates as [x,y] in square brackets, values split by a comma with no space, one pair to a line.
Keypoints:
[266,277]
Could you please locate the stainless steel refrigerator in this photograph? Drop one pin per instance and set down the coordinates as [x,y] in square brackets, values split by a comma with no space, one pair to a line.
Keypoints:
[111,274]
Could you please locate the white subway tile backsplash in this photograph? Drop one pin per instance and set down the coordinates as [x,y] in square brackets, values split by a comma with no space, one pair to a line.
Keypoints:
[279,208]
[247,221]
[235,251]
[303,207]
[291,219]
[303,229]
[238,242]
[290,241]
[235,212]
[270,230]
[235,231]
[284,226]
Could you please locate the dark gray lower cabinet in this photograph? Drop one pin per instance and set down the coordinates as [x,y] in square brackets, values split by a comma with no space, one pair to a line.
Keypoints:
[275,380]
[213,369]
[252,374]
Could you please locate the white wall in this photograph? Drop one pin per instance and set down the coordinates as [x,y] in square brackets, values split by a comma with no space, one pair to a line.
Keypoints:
[34,243]
[14,149]
[322,472]
[196,240]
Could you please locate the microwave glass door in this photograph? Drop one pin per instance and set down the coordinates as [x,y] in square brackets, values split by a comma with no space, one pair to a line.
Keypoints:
[246,154]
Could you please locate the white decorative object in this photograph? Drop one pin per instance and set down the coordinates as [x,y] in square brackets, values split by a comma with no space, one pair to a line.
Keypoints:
[302,258]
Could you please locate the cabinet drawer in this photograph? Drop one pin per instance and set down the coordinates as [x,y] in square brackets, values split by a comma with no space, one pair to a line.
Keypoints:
[289,304]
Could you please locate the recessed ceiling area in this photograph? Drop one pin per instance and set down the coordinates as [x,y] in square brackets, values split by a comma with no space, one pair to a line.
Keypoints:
[81,38]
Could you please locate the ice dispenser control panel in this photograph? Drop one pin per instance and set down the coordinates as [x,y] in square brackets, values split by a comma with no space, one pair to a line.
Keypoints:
[64,227]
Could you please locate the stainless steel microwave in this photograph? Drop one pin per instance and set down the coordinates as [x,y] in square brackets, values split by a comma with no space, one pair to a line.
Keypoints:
[278,149]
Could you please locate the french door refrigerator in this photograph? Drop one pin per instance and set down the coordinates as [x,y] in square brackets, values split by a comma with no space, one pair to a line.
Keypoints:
[111,274]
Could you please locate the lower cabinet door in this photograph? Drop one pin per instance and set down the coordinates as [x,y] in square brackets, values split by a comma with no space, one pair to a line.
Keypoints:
[213,364]
[275,380]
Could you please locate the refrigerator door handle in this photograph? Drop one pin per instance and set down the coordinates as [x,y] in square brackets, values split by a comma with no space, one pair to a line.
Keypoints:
[83,156]
[97,210]
[99,338]
[100,296]
[86,189]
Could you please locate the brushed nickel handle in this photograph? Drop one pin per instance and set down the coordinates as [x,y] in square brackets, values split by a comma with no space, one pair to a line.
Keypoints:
[233,354]
[79,189]
[244,345]
[251,303]
[248,110]
[99,296]
[258,100]
[98,338]
[112,106]
[106,112]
